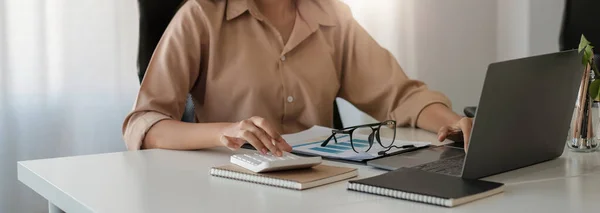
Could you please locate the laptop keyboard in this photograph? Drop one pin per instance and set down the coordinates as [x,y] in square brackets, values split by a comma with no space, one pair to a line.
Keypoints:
[449,166]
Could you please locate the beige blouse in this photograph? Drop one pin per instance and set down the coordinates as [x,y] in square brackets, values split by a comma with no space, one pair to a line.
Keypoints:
[235,65]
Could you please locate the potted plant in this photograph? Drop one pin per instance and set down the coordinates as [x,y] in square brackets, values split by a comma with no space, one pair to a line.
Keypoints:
[583,138]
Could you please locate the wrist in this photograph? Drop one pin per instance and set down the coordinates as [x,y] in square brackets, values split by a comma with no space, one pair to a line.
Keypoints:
[436,116]
[455,118]
[450,118]
[219,133]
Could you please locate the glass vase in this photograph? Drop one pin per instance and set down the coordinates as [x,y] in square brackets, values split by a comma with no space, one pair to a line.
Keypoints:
[584,135]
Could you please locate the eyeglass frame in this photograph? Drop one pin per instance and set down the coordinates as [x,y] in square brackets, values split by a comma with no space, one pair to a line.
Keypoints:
[350,130]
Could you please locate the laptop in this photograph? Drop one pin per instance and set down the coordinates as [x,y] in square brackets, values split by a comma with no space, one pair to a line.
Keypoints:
[523,118]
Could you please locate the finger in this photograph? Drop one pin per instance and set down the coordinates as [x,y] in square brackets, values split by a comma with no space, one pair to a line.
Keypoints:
[443,133]
[262,136]
[267,127]
[283,146]
[466,135]
[466,125]
[231,143]
[253,140]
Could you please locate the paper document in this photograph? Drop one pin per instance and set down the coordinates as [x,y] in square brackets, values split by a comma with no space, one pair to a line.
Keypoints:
[309,142]
[307,135]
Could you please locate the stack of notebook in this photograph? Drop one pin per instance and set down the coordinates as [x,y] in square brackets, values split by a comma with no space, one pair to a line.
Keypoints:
[293,179]
[426,187]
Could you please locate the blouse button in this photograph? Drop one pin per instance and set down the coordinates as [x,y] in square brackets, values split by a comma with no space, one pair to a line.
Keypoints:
[290,99]
[283,58]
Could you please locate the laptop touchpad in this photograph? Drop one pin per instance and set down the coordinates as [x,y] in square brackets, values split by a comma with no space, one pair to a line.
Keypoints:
[418,157]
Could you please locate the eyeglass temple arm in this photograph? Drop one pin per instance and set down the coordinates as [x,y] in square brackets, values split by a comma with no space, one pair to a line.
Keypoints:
[333,132]
[328,139]
[359,126]
[340,131]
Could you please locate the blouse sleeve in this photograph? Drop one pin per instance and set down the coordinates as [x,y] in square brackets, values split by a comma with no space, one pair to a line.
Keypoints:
[374,82]
[171,74]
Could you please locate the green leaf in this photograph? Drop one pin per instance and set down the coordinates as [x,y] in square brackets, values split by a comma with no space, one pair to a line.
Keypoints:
[594,89]
[597,96]
[586,58]
[587,55]
[583,43]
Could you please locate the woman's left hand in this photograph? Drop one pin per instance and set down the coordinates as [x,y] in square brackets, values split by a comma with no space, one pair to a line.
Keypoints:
[461,128]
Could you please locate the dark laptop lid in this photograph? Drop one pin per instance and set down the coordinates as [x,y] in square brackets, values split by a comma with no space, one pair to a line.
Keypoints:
[524,113]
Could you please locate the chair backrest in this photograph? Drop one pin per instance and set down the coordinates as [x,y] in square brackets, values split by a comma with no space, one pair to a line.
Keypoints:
[155,16]
[580,18]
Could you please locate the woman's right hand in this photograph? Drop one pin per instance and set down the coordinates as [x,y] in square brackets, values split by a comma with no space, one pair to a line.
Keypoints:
[258,132]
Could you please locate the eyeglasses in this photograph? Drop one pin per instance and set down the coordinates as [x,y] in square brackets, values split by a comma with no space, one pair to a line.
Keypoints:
[362,137]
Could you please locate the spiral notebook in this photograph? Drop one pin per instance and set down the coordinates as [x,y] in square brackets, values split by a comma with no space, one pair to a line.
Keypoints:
[299,179]
[426,187]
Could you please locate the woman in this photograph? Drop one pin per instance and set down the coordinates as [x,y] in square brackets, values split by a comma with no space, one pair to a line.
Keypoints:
[260,68]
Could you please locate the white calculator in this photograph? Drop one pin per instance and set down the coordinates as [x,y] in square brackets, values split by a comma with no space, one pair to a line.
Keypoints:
[257,162]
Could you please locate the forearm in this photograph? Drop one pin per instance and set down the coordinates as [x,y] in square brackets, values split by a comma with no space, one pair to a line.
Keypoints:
[172,134]
[435,116]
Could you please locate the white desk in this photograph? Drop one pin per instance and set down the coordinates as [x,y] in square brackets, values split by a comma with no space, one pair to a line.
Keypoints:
[177,181]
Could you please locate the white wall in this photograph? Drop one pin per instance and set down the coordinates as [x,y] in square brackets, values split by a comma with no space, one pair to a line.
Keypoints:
[449,44]
[513,28]
[2,51]
[456,42]
[67,80]
[545,23]
[387,21]
[528,27]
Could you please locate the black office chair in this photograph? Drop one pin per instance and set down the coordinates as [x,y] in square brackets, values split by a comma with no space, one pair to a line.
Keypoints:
[579,18]
[155,16]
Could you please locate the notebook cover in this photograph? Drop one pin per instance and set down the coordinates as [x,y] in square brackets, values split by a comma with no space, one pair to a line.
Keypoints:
[428,183]
[303,176]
